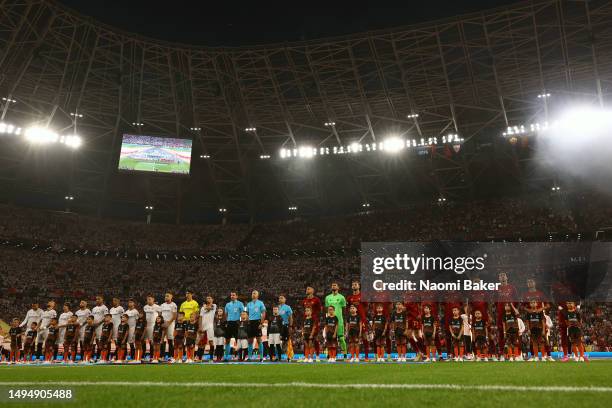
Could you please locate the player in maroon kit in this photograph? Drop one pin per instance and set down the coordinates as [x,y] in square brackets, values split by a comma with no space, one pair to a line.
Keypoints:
[15,333]
[71,338]
[382,299]
[561,293]
[380,325]
[455,328]
[430,299]
[574,330]
[533,294]
[480,334]
[310,331]
[353,331]
[362,311]
[413,315]
[510,328]
[429,327]
[505,294]
[536,322]
[314,303]
[400,327]
[452,300]
[479,301]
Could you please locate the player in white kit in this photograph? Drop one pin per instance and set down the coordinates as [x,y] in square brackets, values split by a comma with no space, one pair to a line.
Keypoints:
[98,312]
[116,311]
[169,311]
[34,315]
[207,319]
[48,314]
[63,321]
[82,314]
[132,314]
[151,310]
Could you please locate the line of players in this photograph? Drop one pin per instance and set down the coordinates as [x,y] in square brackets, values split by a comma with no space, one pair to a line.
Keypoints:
[91,333]
[419,324]
[465,326]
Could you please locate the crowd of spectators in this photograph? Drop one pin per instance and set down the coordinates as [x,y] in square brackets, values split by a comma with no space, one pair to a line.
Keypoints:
[77,231]
[533,216]
[479,220]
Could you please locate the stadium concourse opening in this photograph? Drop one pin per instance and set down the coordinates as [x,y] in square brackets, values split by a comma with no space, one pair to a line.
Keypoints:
[370,204]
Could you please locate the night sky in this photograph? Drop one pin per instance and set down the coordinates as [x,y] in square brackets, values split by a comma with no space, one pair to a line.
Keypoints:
[234,23]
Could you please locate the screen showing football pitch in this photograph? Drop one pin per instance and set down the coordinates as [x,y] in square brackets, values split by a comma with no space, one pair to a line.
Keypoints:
[155,154]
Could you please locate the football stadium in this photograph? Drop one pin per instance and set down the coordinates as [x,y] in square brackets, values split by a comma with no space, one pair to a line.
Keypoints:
[301,205]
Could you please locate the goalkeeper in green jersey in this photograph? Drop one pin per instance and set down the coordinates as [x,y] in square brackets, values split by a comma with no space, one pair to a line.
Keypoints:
[338,302]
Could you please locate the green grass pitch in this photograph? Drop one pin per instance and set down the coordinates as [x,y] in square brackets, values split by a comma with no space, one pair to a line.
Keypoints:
[466,384]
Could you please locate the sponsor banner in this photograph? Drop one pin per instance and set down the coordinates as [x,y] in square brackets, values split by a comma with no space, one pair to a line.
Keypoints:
[552,272]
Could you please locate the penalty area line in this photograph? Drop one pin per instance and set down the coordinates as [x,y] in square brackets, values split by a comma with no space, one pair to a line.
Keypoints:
[454,387]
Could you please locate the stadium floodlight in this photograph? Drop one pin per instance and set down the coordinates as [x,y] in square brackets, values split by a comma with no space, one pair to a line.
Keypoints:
[9,129]
[531,128]
[204,156]
[195,129]
[9,100]
[412,116]
[306,152]
[544,95]
[355,147]
[69,198]
[264,156]
[365,205]
[441,200]
[76,115]
[392,145]
[149,207]
[250,129]
[222,210]
[293,208]
[41,135]
[556,188]
[73,141]
[137,124]
[329,124]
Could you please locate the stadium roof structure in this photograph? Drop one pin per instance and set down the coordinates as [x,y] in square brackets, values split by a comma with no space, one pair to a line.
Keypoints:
[472,75]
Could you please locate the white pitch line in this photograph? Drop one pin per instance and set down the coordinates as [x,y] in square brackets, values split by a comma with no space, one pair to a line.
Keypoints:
[455,387]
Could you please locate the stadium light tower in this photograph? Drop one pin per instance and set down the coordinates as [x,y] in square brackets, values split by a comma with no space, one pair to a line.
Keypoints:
[412,116]
[6,102]
[149,209]
[544,97]
[68,199]
[251,129]
[223,212]
[73,141]
[329,124]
